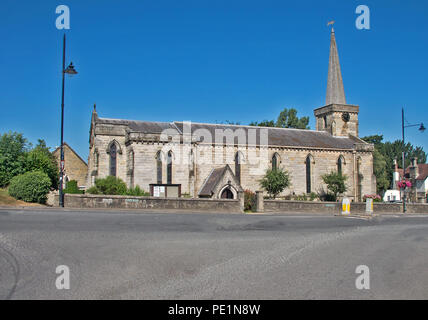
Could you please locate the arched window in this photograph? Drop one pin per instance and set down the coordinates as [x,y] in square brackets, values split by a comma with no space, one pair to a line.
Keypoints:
[113,159]
[238,159]
[191,164]
[131,168]
[159,167]
[169,168]
[359,179]
[275,161]
[308,174]
[325,122]
[340,164]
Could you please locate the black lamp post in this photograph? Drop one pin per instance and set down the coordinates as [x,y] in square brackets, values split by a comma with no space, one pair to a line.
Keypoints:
[422,129]
[71,71]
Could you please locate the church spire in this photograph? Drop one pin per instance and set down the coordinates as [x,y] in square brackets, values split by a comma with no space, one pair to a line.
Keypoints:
[335,91]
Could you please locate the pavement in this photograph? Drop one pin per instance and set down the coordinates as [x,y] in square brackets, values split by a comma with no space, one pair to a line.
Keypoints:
[135,255]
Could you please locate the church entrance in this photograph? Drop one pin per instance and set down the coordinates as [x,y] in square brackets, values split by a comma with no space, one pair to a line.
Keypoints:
[227,194]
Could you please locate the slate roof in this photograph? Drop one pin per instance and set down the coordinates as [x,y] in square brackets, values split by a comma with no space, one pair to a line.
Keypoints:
[281,137]
[213,179]
[139,126]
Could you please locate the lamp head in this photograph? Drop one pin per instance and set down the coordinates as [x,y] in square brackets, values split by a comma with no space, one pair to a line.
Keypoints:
[70,69]
[422,128]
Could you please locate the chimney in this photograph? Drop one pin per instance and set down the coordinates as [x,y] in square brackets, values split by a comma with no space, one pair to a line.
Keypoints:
[395,176]
[414,170]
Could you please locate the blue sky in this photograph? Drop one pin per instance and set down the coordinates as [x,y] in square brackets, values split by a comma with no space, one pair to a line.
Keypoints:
[209,61]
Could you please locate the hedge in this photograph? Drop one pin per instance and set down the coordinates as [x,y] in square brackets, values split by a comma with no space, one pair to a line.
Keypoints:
[31,186]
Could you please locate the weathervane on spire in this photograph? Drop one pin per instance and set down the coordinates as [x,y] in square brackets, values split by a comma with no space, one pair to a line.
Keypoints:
[330,23]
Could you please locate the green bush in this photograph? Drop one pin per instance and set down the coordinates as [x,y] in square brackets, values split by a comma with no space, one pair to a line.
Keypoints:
[249,201]
[137,191]
[275,181]
[336,185]
[93,190]
[41,159]
[115,186]
[31,186]
[72,188]
[111,186]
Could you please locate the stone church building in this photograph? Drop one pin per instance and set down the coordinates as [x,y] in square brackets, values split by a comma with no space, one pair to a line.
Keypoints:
[218,161]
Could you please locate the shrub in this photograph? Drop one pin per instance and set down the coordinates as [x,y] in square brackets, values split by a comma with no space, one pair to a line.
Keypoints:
[115,186]
[275,181]
[335,184]
[93,190]
[72,188]
[41,159]
[31,186]
[137,191]
[249,201]
[111,186]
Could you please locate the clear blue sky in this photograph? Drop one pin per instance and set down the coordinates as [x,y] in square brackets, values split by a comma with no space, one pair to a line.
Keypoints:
[209,61]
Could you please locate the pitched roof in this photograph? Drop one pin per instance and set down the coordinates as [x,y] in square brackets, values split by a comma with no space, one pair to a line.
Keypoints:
[422,168]
[213,179]
[280,137]
[72,150]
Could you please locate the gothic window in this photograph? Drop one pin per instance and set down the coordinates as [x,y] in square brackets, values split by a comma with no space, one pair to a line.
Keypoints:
[308,174]
[131,167]
[169,168]
[113,159]
[238,159]
[191,164]
[275,161]
[159,168]
[325,122]
[359,180]
[340,163]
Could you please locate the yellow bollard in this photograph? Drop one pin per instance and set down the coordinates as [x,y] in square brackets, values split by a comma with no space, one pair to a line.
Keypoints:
[346,206]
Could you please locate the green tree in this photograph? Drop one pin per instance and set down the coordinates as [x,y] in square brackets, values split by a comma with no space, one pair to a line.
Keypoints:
[275,181]
[13,147]
[335,183]
[380,170]
[40,158]
[384,155]
[287,119]
[264,123]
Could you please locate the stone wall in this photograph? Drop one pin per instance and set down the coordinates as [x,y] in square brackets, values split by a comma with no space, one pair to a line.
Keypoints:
[128,202]
[311,207]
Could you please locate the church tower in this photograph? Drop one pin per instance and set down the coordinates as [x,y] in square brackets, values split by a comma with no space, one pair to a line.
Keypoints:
[336,117]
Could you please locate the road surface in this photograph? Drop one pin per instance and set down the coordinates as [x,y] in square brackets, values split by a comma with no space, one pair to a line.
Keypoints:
[128,255]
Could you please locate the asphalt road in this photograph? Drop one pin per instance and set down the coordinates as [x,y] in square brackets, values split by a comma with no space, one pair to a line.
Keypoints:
[210,256]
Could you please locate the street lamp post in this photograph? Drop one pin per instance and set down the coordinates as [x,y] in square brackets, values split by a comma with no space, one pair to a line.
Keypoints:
[403,127]
[71,71]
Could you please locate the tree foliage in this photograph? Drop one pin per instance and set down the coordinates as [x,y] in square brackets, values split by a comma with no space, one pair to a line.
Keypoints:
[384,155]
[287,119]
[336,183]
[13,148]
[275,181]
[40,158]
[30,187]
[115,186]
